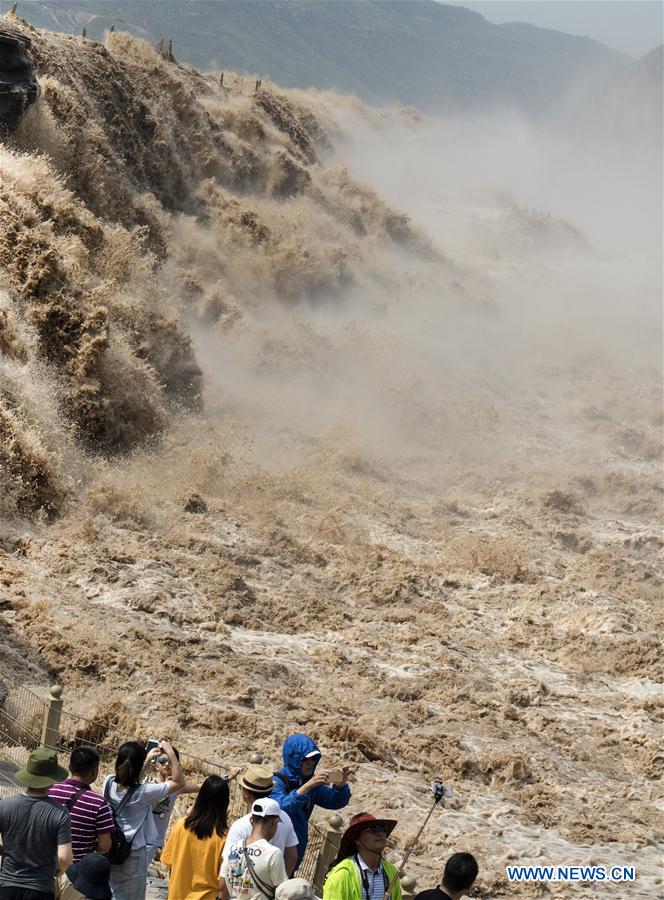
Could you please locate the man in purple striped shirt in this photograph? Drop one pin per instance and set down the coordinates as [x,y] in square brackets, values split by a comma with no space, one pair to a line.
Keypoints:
[91,820]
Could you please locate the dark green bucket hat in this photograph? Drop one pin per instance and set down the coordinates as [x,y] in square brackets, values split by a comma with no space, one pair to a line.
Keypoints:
[41,770]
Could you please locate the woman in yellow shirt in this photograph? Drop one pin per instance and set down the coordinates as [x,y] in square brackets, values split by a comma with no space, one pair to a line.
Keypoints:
[193,849]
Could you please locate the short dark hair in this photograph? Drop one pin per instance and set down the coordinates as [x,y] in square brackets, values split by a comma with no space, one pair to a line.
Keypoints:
[264,820]
[256,795]
[83,760]
[176,753]
[460,871]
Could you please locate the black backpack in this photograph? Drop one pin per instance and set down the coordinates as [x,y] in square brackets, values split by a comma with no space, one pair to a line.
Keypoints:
[120,846]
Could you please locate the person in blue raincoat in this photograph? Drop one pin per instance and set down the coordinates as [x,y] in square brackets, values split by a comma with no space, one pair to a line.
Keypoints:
[297,789]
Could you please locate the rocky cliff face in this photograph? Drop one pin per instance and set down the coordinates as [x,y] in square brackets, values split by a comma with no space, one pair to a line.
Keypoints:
[18,87]
[145,156]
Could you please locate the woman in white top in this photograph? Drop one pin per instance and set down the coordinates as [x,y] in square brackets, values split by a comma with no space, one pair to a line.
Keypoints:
[129,880]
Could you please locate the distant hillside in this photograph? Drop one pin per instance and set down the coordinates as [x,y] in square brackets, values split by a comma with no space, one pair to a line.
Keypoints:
[634,99]
[422,53]
[628,103]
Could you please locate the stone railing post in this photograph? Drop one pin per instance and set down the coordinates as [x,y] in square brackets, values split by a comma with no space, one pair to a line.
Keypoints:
[256,758]
[50,736]
[408,883]
[328,852]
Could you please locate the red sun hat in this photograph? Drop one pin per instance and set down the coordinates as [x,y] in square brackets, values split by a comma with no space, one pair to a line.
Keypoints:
[357,824]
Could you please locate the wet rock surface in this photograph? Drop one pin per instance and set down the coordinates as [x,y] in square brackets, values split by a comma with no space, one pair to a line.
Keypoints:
[18,86]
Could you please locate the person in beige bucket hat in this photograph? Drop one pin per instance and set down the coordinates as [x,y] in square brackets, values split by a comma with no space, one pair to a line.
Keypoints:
[256,782]
[36,830]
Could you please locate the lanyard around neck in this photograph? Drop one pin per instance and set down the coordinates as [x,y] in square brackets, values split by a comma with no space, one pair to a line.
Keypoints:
[365,878]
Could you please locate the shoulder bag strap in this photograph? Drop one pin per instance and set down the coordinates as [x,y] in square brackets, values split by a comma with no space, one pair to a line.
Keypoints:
[290,785]
[71,803]
[107,796]
[264,888]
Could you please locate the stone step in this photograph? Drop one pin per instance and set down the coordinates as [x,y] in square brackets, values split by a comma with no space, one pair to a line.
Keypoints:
[157,887]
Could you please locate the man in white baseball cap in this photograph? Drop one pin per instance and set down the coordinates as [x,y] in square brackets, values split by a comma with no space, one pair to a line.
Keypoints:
[254,867]
[257,782]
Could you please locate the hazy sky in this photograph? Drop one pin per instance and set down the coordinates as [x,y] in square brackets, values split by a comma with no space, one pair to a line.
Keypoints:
[634,26]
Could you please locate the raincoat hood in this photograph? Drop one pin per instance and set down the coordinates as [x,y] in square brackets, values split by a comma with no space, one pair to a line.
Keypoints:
[296,747]
[300,806]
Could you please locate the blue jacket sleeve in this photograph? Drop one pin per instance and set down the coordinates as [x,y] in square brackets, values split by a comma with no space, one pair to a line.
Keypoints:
[330,797]
[287,800]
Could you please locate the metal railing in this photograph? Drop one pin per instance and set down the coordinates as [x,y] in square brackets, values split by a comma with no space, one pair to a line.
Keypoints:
[22,714]
[11,760]
[315,844]
[28,720]
[105,734]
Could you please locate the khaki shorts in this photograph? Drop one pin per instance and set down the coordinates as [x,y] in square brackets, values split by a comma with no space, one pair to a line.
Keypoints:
[65,890]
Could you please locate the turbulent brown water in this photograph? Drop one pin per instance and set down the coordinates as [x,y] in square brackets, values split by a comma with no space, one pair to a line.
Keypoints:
[429,447]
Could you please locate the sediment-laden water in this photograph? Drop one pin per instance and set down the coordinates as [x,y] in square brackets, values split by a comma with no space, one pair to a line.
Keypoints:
[419,397]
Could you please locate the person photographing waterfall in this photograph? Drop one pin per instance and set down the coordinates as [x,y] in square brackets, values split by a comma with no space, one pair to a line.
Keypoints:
[159,763]
[131,805]
[298,789]
[360,872]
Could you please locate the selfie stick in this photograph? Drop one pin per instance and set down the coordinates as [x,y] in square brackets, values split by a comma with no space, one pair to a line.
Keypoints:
[437,797]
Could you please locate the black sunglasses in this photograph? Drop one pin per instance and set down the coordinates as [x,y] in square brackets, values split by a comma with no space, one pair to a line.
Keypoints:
[163,760]
[376,829]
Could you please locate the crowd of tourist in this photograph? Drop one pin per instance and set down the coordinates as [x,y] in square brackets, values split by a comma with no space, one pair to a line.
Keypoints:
[61,840]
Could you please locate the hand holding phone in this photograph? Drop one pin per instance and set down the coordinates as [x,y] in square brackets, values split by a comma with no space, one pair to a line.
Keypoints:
[336,776]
